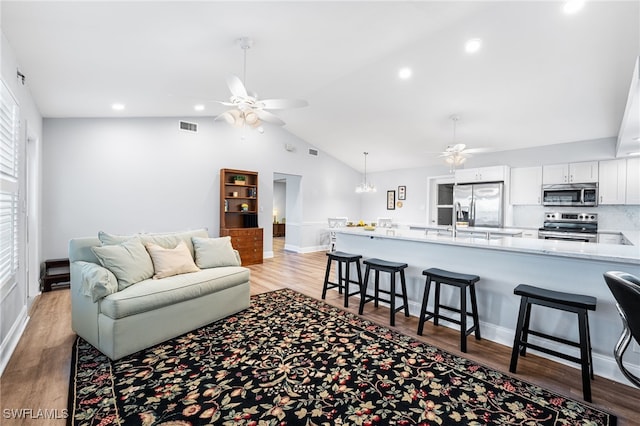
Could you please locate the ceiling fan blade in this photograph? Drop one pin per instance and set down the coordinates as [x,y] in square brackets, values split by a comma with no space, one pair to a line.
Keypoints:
[224,103]
[269,117]
[477,150]
[236,86]
[282,103]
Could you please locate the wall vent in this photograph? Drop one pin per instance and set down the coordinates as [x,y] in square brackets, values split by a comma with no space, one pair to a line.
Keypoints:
[313,152]
[189,127]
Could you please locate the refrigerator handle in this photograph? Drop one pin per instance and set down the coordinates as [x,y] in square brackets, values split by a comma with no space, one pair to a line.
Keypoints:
[472,212]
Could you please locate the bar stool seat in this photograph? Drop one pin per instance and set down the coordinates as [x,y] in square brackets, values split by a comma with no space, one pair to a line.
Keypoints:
[569,302]
[344,280]
[380,265]
[463,282]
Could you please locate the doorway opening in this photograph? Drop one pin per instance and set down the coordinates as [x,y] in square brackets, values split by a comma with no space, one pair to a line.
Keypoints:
[287,213]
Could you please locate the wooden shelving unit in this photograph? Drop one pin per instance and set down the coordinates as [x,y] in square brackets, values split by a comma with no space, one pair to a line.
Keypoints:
[239,213]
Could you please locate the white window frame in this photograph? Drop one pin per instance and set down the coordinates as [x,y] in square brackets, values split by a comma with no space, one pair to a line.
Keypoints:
[9,186]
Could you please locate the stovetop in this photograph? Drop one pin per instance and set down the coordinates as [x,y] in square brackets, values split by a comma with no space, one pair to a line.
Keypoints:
[585,223]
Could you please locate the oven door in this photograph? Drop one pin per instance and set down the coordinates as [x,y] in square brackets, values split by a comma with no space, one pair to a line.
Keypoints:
[567,236]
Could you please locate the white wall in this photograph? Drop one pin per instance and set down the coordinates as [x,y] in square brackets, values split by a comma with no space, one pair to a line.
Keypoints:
[145,175]
[14,301]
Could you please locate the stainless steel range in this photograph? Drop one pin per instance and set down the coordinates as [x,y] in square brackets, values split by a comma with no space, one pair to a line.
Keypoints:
[570,227]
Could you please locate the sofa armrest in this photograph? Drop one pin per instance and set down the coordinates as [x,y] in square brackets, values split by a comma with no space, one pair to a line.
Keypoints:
[94,281]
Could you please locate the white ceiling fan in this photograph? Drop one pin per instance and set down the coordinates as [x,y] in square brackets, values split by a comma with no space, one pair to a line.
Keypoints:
[456,154]
[247,108]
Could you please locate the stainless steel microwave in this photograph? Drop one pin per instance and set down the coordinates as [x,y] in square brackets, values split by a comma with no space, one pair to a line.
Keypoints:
[572,194]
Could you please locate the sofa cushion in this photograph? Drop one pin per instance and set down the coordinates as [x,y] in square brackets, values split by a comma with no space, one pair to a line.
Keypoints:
[97,281]
[111,239]
[165,239]
[171,261]
[152,294]
[129,261]
[214,252]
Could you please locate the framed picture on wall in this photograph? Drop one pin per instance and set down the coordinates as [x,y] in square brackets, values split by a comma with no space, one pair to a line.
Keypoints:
[391,200]
[402,192]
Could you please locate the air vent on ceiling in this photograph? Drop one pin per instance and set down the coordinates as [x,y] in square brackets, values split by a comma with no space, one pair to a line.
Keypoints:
[189,127]
[313,151]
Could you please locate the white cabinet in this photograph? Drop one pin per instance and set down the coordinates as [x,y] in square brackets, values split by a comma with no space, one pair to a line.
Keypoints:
[555,173]
[481,174]
[613,181]
[526,186]
[633,181]
[570,173]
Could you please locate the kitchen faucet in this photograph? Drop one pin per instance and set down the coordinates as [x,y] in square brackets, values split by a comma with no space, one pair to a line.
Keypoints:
[455,216]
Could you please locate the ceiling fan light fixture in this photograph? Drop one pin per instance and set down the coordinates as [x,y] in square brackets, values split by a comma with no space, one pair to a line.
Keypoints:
[247,108]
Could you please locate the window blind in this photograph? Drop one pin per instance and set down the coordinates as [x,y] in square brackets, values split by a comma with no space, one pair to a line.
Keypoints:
[9,139]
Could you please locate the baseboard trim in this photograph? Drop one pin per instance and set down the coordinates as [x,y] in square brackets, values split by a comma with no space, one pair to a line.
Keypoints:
[9,344]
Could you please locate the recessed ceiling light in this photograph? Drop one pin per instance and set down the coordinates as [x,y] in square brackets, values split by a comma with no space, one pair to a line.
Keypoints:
[199,107]
[573,6]
[633,153]
[473,45]
[405,73]
[636,139]
[117,107]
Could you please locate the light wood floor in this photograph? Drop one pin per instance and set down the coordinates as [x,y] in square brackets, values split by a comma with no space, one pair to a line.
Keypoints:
[37,375]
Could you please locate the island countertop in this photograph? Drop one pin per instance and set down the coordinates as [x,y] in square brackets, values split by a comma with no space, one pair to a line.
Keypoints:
[581,250]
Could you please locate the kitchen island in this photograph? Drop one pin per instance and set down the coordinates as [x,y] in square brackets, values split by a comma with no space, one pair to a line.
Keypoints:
[502,264]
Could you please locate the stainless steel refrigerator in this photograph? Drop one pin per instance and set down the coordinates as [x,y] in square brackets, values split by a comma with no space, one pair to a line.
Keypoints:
[479,204]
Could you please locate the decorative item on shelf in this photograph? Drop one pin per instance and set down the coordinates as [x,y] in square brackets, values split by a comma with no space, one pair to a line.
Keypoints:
[365,186]
[252,192]
[244,207]
[226,205]
[239,180]
[275,216]
[234,194]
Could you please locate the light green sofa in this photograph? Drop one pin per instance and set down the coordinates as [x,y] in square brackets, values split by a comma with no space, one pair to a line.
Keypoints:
[122,321]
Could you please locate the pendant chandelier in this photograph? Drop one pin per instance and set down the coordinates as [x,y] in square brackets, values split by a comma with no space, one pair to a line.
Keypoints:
[365,186]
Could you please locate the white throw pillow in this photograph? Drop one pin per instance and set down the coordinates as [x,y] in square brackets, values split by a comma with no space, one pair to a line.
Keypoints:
[214,252]
[129,261]
[168,262]
[97,281]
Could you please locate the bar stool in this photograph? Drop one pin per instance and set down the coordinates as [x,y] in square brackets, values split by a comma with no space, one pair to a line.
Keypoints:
[343,280]
[462,281]
[379,265]
[569,302]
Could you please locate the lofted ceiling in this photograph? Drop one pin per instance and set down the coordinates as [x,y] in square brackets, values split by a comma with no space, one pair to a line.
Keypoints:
[542,77]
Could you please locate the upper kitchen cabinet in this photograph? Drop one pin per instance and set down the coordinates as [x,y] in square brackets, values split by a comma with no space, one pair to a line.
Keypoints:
[633,180]
[481,174]
[584,172]
[526,186]
[613,181]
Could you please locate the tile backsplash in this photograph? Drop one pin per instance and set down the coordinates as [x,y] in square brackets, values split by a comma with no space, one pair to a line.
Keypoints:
[610,218]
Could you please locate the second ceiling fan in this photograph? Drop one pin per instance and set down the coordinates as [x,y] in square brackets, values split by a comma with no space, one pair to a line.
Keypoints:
[456,154]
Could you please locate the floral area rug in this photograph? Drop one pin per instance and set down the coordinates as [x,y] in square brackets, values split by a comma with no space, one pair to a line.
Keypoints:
[293,360]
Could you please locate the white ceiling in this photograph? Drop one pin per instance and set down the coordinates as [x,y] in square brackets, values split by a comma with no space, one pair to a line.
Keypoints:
[542,77]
